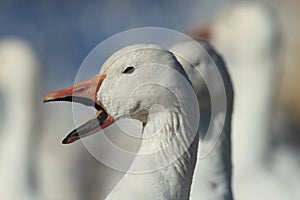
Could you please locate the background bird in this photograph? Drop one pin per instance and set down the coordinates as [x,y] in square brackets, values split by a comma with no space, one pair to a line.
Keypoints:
[249,39]
[19,131]
[213,172]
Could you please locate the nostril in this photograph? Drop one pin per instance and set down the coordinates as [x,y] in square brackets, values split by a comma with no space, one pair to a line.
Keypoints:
[79,89]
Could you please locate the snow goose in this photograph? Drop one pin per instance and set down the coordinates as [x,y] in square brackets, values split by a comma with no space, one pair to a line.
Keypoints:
[169,134]
[19,82]
[212,175]
[128,66]
[248,37]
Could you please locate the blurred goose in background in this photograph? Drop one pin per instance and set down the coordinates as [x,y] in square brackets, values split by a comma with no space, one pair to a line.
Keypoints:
[169,123]
[248,37]
[212,175]
[19,83]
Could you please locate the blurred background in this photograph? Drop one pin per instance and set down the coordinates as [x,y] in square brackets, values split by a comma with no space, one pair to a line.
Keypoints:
[43,43]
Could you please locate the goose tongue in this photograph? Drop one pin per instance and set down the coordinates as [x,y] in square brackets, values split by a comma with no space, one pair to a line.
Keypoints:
[84,93]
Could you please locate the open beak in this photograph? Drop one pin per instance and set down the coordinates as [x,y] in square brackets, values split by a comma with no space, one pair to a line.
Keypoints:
[84,93]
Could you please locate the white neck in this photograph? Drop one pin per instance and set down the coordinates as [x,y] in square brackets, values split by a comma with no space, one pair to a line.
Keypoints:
[213,173]
[170,182]
[15,147]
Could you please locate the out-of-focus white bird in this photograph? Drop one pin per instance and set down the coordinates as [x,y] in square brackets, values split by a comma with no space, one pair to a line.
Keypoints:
[248,37]
[212,176]
[129,69]
[19,83]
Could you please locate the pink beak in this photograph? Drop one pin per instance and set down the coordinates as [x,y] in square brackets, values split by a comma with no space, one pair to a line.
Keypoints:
[84,93]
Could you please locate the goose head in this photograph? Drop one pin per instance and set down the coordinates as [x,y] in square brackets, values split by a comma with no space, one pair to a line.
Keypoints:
[18,67]
[244,32]
[130,82]
[18,83]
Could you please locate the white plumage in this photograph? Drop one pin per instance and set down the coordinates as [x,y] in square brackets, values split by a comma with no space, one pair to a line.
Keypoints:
[147,83]
[212,175]
[173,181]
[248,37]
[19,82]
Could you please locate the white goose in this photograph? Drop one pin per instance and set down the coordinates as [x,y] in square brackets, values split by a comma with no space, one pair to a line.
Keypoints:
[247,35]
[19,78]
[166,132]
[212,175]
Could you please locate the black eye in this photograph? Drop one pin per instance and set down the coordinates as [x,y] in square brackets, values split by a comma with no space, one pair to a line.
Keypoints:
[128,70]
